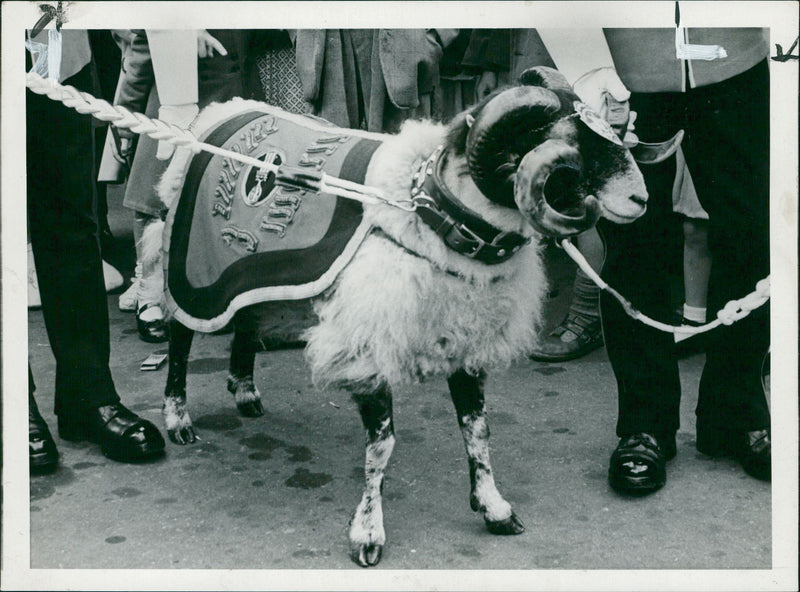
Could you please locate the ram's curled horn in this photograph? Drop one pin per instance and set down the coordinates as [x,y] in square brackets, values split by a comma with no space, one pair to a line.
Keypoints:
[502,133]
[548,190]
[545,77]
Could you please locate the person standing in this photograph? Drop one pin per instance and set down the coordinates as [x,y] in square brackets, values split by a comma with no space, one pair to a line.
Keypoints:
[63,221]
[713,84]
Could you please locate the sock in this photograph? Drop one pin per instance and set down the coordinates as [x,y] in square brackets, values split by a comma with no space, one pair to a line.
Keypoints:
[694,313]
[585,296]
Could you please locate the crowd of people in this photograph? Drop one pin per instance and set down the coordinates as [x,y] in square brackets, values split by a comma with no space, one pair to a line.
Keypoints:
[718,185]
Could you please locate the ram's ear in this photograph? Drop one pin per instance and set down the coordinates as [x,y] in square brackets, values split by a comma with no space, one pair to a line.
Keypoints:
[545,77]
[655,152]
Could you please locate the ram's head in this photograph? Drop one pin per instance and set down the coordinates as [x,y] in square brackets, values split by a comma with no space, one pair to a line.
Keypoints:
[536,147]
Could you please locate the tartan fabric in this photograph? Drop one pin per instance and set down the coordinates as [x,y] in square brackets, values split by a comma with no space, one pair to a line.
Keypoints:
[277,70]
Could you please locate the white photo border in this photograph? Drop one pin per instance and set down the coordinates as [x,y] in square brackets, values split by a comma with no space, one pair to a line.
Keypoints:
[780,17]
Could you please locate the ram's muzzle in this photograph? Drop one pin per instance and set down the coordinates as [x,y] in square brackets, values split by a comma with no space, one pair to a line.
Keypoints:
[548,190]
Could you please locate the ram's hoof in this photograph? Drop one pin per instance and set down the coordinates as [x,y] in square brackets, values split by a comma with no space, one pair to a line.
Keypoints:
[251,408]
[366,555]
[182,436]
[511,525]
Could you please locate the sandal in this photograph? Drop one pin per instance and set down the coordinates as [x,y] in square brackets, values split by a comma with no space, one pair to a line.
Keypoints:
[638,464]
[575,336]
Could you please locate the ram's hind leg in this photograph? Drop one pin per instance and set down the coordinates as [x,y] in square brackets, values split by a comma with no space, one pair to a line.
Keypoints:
[367,536]
[177,420]
[240,376]
[467,393]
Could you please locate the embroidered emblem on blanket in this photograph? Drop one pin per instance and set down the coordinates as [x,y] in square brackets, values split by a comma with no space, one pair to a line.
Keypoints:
[236,238]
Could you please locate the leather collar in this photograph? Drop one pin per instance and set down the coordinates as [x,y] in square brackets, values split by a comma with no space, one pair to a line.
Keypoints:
[461,229]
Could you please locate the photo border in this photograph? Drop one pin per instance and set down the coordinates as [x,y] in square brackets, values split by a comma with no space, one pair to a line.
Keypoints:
[780,17]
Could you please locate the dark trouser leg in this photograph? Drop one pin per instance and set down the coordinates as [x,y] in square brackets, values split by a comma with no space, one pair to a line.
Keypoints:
[637,259]
[42,451]
[727,151]
[63,224]
[367,535]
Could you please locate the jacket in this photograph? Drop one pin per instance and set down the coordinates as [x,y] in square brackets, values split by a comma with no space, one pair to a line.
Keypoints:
[643,57]
[409,61]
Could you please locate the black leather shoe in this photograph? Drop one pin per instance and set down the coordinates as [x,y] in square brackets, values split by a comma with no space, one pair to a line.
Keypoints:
[752,449]
[41,447]
[122,435]
[638,464]
[756,459]
[154,331]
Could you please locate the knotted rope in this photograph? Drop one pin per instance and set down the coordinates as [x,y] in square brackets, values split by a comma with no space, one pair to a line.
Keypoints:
[138,123]
[730,313]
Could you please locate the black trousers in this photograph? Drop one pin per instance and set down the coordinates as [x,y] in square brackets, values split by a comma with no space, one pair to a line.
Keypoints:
[727,151]
[62,217]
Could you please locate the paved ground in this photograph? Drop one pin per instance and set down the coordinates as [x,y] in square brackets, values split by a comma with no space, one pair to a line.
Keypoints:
[277,491]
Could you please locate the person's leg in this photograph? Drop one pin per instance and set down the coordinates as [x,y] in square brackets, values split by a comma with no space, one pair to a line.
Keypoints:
[140,197]
[643,358]
[728,139]
[696,269]
[696,256]
[107,60]
[579,332]
[42,451]
[64,234]
[150,287]
[129,299]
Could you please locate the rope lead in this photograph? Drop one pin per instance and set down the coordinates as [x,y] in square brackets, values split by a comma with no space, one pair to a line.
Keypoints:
[138,123]
[730,313]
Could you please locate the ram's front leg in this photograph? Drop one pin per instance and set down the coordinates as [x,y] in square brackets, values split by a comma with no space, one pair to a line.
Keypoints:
[240,376]
[467,393]
[367,536]
[176,418]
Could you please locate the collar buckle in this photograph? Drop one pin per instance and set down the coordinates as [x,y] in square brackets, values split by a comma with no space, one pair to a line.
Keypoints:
[477,242]
[460,229]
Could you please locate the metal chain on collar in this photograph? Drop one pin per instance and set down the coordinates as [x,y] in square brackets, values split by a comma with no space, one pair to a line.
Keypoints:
[733,311]
[119,116]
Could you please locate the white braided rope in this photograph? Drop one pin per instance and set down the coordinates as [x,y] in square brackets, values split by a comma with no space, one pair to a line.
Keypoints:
[730,313]
[138,123]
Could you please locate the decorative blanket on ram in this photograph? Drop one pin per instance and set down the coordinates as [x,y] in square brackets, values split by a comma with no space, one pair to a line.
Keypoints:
[237,239]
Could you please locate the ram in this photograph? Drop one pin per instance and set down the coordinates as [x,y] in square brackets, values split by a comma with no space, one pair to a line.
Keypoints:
[443,276]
